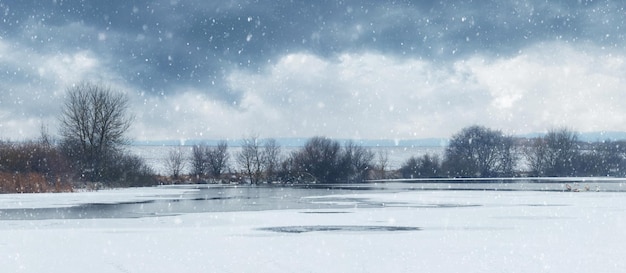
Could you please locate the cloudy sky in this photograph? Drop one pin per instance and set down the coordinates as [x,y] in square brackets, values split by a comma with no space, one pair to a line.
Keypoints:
[344,69]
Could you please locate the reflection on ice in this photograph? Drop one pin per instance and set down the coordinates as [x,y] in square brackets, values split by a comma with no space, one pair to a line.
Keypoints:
[180,199]
[303,229]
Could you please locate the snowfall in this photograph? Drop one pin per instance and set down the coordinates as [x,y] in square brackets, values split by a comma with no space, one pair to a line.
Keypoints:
[379,228]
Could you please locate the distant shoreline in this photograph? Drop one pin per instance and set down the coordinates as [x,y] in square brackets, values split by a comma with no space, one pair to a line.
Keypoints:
[300,142]
[420,142]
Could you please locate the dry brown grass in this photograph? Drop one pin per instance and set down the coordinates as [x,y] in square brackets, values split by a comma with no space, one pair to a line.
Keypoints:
[30,183]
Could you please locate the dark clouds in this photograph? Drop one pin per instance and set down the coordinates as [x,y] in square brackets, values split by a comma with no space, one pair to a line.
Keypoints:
[160,44]
[159,48]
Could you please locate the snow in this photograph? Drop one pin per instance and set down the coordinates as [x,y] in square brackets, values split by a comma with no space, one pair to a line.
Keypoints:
[468,231]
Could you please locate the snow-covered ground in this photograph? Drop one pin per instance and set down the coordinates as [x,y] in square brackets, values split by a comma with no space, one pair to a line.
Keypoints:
[358,231]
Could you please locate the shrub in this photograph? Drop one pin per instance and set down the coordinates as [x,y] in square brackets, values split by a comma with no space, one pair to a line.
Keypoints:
[324,160]
[477,151]
[30,183]
[129,171]
[23,162]
[427,166]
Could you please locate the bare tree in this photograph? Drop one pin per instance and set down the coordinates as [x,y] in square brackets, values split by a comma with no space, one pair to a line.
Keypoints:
[271,159]
[358,160]
[426,166]
[94,122]
[383,162]
[209,161]
[554,154]
[198,160]
[217,159]
[321,159]
[604,158]
[175,162]
[477,151]
[250,159]
[44,136]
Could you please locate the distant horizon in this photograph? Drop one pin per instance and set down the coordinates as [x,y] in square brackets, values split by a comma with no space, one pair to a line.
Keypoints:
[300,141]
[416,142]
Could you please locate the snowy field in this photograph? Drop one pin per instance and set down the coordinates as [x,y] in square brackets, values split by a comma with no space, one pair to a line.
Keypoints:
[257,229]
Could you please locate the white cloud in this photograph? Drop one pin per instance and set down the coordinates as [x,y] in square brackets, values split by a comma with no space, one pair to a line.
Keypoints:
[69,68]
[355,95]
[187,114]
[554,85]
[372,95]
[34,84]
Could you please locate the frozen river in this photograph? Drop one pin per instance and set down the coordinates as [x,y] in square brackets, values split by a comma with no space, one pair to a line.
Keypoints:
[395,227]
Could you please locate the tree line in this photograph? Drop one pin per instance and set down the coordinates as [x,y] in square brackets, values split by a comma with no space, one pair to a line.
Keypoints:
[477,151]
[474,152]
[320,160]
[90,152]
